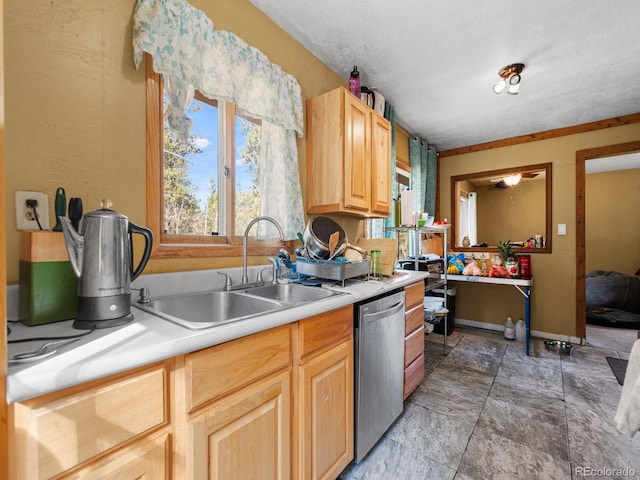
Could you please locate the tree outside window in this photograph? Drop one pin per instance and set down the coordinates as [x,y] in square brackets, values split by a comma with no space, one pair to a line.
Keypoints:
[198,173]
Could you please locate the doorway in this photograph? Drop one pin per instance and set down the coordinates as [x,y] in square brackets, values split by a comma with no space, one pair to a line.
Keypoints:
[612,153]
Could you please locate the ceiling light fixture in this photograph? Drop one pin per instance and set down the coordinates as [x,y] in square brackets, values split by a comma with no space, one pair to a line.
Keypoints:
[512,180]
[509,79]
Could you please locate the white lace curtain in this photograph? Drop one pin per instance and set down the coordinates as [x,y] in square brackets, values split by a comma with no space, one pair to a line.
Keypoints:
[191,54]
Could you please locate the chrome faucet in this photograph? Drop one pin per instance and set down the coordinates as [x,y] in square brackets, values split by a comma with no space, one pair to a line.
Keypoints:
[244,283]
[245,277]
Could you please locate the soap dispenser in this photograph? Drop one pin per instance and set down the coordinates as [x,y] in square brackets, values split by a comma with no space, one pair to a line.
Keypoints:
[354,82]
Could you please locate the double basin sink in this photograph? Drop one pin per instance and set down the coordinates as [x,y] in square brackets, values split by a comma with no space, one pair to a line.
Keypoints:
[209,309]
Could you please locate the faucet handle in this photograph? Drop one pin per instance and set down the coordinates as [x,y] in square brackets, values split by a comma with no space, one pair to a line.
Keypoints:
[260,278]
[145,296]
[227,281]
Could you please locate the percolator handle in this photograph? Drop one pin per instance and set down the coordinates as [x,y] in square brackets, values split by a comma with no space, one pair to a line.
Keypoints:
[148,243]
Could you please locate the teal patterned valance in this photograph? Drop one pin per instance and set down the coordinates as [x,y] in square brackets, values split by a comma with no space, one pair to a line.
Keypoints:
[191,54]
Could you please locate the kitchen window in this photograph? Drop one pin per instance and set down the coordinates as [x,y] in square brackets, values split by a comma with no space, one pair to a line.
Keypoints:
[207,192]
[203,189]
[374,228]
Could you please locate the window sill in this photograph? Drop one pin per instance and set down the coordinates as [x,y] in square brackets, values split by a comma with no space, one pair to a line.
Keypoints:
[255,248]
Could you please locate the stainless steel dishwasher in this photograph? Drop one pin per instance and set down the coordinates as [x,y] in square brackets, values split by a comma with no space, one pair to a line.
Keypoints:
[379,368]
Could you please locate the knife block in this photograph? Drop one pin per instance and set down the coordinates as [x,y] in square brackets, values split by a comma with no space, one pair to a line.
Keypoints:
[48,285]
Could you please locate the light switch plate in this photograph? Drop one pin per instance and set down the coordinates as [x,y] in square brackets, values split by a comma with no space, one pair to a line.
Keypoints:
[25,219]
[562,229]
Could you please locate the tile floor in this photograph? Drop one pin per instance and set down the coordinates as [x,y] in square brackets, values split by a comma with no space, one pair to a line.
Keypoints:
[487,411]
[619,339]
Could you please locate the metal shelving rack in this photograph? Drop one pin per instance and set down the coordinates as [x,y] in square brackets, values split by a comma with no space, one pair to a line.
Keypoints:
[438,280]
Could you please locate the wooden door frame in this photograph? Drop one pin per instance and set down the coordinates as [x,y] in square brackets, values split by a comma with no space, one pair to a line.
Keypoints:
[4,436]
[581,157]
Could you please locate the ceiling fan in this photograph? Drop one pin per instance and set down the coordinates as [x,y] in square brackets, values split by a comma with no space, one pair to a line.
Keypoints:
[509,181]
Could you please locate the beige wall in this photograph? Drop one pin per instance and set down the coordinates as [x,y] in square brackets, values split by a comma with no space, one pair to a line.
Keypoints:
[554,291]
[75,104]
[612,221]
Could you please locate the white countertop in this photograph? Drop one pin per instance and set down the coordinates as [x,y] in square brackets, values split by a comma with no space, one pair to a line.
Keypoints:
[149,339]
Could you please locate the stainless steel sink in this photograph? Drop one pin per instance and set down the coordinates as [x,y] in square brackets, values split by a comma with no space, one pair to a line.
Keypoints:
[207,309]
[290,293]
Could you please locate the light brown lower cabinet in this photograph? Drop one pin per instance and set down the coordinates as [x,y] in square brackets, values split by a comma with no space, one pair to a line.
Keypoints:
[274,405]
[237,399]
[120,424]
[326,433]
[414,370]
[281,403]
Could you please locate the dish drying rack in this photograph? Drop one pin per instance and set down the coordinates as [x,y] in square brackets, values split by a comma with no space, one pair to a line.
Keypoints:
[332,269]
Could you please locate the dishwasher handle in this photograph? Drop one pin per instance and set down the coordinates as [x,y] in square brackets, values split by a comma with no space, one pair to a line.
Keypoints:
[393,310]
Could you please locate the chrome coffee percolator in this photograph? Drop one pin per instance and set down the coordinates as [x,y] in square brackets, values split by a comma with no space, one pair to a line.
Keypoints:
[101,255]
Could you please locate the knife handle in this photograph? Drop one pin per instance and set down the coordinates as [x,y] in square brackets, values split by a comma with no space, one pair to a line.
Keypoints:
[60,207]
[75,212]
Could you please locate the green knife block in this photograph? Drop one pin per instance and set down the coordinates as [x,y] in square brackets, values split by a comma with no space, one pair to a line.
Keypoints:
[48,285]
[48,292]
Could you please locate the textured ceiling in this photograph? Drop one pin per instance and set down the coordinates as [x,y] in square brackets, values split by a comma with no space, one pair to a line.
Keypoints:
[436,61]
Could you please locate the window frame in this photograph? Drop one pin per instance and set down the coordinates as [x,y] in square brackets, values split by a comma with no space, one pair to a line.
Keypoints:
[186,246]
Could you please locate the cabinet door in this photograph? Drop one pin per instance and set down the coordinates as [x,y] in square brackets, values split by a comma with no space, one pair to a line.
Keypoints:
[326,430]
[244,435]
[357,155]
[325,153]
[381,178]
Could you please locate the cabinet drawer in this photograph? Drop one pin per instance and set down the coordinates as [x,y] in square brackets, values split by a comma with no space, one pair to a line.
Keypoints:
[413,346]
[414,295]
[145,459]
[216,371]
[324,330]
[55,433]
[413,319]
[413,375]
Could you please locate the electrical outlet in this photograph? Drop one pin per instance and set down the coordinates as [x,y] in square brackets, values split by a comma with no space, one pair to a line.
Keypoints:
[25,218]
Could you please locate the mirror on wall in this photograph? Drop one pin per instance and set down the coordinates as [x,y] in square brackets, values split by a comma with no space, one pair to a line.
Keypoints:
[511,204]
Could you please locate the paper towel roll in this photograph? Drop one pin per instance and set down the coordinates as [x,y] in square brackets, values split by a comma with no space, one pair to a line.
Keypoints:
[406,208]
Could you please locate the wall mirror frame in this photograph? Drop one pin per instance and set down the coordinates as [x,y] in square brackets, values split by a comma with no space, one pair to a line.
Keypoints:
[544,173]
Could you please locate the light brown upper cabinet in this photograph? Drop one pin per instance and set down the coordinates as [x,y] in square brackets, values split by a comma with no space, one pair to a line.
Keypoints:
[348,157]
